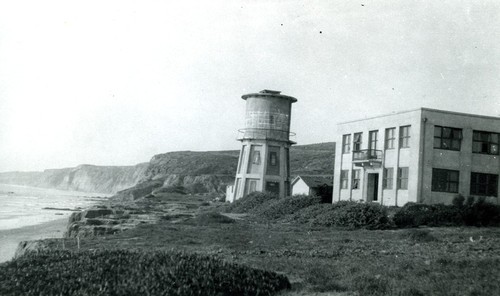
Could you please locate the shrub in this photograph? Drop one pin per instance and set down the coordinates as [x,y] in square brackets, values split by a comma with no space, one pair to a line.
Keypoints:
[470,212]
[279,208]
[123,272]
[480,213]
[354,215]
[414,215]
[249,202]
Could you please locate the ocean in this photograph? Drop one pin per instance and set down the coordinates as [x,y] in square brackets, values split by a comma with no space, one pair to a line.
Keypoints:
[22,206]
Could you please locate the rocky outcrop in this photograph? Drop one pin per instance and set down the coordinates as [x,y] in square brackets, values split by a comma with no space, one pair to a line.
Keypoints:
[106,221]
[86,178]
[30,246]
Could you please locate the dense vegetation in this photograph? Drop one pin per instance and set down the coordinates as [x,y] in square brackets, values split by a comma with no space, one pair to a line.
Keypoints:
[470,212]
[304,209]
[133,273]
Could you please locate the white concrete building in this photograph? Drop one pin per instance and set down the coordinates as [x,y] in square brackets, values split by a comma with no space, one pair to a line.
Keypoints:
[423,155]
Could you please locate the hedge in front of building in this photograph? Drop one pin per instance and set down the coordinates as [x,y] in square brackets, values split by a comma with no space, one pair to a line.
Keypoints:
[470,212]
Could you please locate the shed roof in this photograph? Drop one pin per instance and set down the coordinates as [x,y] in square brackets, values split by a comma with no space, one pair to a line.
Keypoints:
[315,181]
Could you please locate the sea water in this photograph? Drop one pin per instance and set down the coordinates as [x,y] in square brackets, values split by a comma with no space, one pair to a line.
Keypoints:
[25,206]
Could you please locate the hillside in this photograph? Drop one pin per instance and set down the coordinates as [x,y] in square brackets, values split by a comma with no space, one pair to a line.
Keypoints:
[212,171]
[198,172]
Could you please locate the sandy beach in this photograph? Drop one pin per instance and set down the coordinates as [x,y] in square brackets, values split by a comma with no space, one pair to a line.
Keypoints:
[9,239]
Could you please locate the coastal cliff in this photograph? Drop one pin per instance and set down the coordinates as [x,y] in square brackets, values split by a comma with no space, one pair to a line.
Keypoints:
[211,171]
[184,171]
[85,178]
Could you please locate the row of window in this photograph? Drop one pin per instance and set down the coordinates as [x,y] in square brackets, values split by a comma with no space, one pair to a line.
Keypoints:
[448,138]
[387,183]
[442,181]
[480,184]
[390,139]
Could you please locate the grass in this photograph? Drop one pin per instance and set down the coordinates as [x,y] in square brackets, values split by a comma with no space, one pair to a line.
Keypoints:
[429,261]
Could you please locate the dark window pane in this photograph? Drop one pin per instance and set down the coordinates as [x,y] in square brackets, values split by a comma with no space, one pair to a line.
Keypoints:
[446,132]
[437,131]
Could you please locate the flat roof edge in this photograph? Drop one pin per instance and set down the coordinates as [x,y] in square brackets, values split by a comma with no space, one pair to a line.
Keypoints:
[423,109]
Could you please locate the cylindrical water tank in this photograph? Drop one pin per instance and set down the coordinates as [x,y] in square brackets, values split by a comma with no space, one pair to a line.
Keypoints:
[268,115]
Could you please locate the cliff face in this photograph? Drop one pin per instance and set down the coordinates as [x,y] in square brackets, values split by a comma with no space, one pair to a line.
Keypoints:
[188,171]
[86,178]
[212,171]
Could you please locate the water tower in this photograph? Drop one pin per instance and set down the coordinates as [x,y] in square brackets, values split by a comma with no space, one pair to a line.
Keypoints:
[264,162]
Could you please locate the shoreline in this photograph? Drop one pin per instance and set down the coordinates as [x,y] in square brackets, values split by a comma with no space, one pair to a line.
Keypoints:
[10,238]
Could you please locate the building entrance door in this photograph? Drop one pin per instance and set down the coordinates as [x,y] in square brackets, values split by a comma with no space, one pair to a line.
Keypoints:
[372,191]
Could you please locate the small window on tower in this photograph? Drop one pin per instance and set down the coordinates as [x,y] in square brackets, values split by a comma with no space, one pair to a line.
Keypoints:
[256,157]
[273,158]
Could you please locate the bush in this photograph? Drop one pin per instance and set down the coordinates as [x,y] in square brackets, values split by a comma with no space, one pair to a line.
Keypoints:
[414,215]
[123,272]
[470,212]
[354,215]
[249,202]
[279,208]
[480,213]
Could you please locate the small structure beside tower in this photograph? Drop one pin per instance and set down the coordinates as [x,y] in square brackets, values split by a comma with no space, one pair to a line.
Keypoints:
[264,162]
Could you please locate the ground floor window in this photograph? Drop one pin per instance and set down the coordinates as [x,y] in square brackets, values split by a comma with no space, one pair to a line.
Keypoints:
[403,178]
[484,184]
[356,178]
[388,178]
[445,180]
[344,175]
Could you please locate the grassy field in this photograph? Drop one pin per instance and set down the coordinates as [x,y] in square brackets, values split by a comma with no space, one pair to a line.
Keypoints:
[324,261]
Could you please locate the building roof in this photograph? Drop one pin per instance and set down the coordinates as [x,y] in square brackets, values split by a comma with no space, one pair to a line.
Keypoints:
[315,181]
[424,109]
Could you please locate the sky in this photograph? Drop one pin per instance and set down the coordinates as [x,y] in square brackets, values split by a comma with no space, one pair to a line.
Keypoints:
[116,82]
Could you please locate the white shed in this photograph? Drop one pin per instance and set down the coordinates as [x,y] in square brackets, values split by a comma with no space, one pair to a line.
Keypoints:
[314,185]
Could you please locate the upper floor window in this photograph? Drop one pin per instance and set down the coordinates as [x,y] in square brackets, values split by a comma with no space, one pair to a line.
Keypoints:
[484,184]
[346,143]
[373,139]
[448,138]
[357,141]
[445,180]
[404,136]
[485,142]
[390,138]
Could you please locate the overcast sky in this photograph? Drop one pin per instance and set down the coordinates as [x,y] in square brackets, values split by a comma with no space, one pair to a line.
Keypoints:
[116,82]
